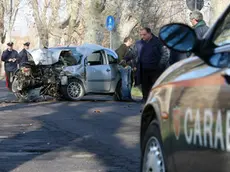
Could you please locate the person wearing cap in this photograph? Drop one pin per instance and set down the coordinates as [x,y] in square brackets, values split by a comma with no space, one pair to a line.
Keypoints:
[198,23]
[11,59]
[24,53]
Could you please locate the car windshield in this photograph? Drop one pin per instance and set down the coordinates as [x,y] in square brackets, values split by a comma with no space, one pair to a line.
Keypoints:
[74,51]
[222,35]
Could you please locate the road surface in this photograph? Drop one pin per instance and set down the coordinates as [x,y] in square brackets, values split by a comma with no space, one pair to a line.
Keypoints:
[84,136]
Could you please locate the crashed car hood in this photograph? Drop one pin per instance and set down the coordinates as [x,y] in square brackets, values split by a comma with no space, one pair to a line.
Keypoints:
[45,56]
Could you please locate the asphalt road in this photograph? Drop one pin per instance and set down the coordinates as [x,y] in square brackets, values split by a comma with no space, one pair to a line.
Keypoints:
[84,136]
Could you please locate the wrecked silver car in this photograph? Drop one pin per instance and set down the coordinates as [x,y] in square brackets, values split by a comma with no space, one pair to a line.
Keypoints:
[69,73]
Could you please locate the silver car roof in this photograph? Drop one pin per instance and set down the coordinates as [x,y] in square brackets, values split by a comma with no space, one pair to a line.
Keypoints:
[87,49]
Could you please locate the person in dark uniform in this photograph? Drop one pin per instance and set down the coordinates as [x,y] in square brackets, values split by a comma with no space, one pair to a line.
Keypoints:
[24,54]
[11,59]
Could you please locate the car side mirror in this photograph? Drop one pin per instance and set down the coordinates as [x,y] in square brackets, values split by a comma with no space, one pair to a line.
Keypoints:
[178,37]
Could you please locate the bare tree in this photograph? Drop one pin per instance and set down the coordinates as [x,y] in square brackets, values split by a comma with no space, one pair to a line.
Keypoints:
[12,11]
[8,14]
[2,25]
[46,22]
[160,12]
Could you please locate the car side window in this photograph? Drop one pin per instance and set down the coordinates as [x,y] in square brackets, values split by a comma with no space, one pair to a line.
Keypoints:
[111,59]
[95,58]
[222,35]
[182,69]
[191,70]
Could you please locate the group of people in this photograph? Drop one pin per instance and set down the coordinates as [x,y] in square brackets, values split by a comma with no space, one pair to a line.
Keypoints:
[139,64]
[148,57]
[13,60]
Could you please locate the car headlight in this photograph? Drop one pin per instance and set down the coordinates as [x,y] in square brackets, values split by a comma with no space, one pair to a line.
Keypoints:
[68,69]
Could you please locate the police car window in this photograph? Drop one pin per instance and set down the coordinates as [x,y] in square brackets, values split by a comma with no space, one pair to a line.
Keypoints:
[222,35]
[182,70]
[199,71]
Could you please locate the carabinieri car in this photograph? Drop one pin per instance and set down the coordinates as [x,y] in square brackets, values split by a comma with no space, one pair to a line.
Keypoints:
[185,123]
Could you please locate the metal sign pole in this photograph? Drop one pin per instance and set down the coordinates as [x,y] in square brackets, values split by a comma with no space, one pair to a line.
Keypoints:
[110,23]
[195,4]
[110,39]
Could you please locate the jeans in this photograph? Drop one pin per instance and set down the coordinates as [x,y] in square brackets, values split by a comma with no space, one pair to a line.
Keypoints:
[126,84]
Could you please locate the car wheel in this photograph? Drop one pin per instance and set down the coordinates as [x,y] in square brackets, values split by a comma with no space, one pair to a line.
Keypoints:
[152,159]
[117,96]
[74,90]
[20,95]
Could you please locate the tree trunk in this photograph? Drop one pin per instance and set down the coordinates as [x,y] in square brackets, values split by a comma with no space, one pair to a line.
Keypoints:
[217,8]
[92,22]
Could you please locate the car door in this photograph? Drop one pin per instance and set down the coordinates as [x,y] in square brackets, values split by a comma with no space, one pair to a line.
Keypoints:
[200,120]
[114,71]
[98,72]
[200,110]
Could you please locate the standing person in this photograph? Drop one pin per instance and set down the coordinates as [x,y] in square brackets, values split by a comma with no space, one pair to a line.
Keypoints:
[199,25]
[24,53]
[11,58]
[176,56]
[124,48]
[124,69]
[149,53]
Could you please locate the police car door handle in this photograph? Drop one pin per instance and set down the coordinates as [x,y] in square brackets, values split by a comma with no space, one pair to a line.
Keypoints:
[226,72]
[226,75]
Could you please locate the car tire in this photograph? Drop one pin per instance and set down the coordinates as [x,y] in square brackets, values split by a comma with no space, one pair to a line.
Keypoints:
[117,96]
[21,96]
[74,90]
[152,156]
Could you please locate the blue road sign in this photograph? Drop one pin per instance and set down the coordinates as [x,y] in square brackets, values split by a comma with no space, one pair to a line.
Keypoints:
[110,23]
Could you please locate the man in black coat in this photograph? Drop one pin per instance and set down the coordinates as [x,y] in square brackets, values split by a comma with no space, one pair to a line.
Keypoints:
[24,53]
[149,53]
[11,59]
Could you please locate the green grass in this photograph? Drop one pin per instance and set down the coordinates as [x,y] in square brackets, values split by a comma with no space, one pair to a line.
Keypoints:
[136,92]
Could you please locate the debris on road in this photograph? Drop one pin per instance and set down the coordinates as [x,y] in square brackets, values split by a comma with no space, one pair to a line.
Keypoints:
[97,111]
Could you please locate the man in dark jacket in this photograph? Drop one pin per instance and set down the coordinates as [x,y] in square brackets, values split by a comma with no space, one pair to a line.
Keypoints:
[11,59]
[125,69]
[149,53]
[199,25]
[123,50]
[24,54]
